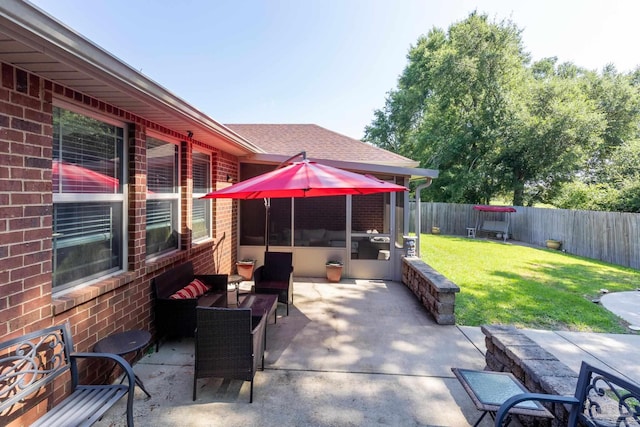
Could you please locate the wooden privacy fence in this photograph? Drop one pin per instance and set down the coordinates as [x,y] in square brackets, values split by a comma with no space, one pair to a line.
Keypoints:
[608,236]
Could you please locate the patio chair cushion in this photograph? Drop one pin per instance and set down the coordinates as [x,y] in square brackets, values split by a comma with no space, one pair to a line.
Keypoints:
[192,290]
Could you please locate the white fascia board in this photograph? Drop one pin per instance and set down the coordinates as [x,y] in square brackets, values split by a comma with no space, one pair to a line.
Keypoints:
[43,33]
[412,172]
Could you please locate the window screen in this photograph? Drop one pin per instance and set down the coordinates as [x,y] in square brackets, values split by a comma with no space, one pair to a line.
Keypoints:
[163,197]
[201,209]
[88,201]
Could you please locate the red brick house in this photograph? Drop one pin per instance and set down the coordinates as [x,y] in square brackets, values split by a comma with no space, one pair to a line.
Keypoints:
[101,171]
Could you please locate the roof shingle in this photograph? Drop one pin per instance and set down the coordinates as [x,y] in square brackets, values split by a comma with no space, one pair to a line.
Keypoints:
[318,142]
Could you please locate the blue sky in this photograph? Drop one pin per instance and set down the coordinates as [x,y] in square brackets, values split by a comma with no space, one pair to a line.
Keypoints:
[329,62]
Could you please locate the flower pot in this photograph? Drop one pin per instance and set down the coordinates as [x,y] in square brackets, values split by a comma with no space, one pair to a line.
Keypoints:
[553,244]
[334,272]
[245,269]
[435,230]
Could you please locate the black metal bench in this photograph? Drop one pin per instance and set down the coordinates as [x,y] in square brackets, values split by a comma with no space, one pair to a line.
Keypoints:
[601,399]
[30,363]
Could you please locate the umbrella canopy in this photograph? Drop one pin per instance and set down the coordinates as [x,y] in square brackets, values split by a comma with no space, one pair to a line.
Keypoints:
[305,179]
[494,208]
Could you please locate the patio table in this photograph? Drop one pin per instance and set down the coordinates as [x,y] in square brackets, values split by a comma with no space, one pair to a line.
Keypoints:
[488,390]
[123,343]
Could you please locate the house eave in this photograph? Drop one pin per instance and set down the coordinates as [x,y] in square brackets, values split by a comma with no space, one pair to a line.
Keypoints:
[46,47]
[408,170]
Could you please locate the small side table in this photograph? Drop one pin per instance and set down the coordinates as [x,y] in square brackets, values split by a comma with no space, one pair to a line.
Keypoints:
[123,343]
[471,232]
[488,390]
[236,279]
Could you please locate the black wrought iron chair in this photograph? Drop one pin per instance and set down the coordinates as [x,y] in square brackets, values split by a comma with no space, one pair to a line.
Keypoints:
[228,345]
[601,399]
[276,277]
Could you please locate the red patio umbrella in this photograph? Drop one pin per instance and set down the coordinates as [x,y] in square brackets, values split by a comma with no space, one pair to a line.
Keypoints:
[304,179]
[72,178]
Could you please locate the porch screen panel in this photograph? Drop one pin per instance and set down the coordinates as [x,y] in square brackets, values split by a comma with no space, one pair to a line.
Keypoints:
[370,229]
[320,221]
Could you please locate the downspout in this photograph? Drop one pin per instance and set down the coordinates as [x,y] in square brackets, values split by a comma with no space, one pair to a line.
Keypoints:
[419,188]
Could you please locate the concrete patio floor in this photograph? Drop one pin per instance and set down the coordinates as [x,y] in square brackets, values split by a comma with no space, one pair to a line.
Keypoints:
[354,353]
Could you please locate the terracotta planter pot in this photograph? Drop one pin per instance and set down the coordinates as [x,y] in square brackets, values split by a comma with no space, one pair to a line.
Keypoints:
[245,269]
[334,273]
[553,244]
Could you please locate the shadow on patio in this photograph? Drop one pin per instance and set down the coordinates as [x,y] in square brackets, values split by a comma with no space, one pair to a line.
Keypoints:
[359,352]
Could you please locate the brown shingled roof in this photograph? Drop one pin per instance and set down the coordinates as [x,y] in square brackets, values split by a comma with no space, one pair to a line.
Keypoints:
[318,142]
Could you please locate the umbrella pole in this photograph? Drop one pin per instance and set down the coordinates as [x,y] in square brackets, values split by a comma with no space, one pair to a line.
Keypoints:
[267,207]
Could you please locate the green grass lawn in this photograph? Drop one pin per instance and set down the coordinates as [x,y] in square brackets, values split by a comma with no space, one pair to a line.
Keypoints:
[527,287]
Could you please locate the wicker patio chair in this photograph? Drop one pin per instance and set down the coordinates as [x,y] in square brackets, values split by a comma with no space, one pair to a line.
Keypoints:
[228,345]
[276,277]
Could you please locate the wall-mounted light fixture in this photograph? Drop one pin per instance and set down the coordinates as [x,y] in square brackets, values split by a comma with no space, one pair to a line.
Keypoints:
[190,134]
[230,178]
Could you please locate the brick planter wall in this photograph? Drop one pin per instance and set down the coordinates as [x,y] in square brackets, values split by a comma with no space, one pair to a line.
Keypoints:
[433,290]
[509,350]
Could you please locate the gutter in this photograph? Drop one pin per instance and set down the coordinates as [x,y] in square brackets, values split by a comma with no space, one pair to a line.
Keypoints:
[419,188]
[33,27]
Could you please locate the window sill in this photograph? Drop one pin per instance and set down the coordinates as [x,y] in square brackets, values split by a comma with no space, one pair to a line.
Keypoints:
[76,297]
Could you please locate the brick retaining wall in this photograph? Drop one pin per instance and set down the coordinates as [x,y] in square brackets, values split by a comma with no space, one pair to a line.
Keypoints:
[509,350]
[434,291]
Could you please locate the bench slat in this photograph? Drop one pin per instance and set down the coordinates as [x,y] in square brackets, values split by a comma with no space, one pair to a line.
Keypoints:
[83,407]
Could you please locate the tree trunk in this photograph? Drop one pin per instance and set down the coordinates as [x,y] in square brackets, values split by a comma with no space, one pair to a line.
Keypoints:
[518,193]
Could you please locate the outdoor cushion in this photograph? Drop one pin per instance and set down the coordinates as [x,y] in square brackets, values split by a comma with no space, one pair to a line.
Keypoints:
[334,235]
[192,290]
[313,234]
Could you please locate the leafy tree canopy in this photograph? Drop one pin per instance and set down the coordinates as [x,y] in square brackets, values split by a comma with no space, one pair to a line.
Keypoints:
[470,104]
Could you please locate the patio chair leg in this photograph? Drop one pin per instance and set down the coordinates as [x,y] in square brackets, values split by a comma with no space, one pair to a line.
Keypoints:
[251,392]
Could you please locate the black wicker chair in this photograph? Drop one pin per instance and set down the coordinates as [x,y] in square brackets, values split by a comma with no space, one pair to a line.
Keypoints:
[276,277]
[228,344]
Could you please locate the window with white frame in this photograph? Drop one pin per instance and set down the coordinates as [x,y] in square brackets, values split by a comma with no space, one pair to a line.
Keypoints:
[201,209]
[88,201]
[163,197]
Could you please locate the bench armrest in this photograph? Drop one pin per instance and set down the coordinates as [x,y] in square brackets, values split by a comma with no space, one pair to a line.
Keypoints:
[126,368]
[216,282]
[259,334]
[523,397]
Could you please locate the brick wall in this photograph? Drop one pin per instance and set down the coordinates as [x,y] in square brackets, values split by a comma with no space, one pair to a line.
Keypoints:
[367,213]
[116,304]
[25,194]
[434,291]
[509,350]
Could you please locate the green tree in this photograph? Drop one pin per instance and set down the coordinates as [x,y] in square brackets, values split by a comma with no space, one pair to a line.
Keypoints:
[555,130]
[469,104]
[617,97]
[453,105]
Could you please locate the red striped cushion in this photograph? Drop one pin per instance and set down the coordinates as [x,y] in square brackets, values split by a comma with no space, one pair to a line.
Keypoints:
[192,290]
